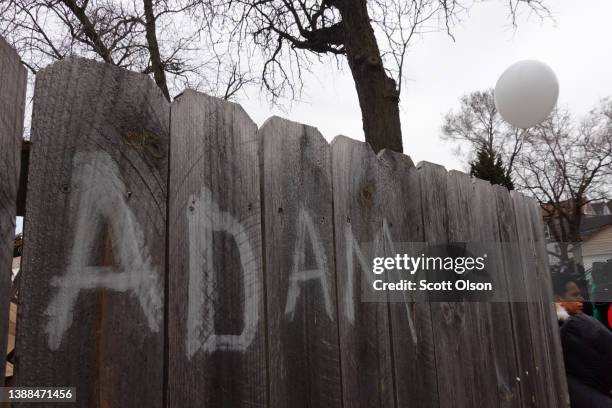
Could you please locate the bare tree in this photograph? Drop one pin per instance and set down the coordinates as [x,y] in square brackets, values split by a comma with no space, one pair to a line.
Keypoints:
[478,124]
[373,36]
[160,38]
[565,166]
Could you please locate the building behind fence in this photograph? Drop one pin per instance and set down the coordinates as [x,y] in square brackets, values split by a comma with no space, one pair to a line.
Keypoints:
[178,255]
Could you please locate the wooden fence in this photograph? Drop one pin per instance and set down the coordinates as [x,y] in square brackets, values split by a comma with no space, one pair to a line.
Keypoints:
[12,105]
[176,255]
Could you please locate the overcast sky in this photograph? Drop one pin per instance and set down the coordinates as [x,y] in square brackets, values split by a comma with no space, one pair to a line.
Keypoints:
[576,45]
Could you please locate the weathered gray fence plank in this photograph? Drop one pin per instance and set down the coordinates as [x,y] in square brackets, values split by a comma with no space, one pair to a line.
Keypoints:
[411,327]
[470,207]
[535,279]
[216,315]
[550,326]
[515,277]
[304,358]
[360,209]
[446,219]
[91,311]
[538,373]
[12,104]
[495,318]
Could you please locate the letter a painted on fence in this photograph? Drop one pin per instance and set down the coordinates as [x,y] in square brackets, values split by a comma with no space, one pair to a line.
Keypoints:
[306,230]
[102,200]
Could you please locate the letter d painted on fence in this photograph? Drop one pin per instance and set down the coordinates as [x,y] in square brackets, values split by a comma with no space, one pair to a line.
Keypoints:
[205,217]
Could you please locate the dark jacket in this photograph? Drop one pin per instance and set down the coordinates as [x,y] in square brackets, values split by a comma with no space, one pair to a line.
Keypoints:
[587,352]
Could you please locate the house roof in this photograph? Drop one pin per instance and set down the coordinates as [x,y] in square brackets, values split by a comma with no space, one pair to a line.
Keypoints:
[594,224]
[599,207]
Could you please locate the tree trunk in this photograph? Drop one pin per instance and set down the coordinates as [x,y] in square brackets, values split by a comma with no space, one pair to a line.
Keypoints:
[90,30]
[377,92]
[575,231]
[563,252]
[159,74]
[555,227]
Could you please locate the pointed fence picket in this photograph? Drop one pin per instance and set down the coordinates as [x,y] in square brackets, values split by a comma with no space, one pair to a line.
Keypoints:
[91,302]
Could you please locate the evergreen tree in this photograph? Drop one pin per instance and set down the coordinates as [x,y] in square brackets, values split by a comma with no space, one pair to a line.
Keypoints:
[488,166]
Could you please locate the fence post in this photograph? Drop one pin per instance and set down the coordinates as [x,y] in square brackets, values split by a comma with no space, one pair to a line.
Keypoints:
[12,104]
[91,311]
[300,267]
[216,315]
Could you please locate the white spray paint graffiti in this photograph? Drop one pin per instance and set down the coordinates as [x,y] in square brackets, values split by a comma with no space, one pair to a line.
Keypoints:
[205,216]
[353,250]
[306,230]
[103,201]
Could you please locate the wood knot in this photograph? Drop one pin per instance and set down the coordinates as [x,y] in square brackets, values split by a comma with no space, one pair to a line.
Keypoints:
[145,140]
[447,313]
[453,313]
[365,197]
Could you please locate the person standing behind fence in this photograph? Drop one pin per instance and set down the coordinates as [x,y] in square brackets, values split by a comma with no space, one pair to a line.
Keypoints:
[587,349]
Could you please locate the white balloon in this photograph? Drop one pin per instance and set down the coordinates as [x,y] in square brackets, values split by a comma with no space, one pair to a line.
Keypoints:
[526,93]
